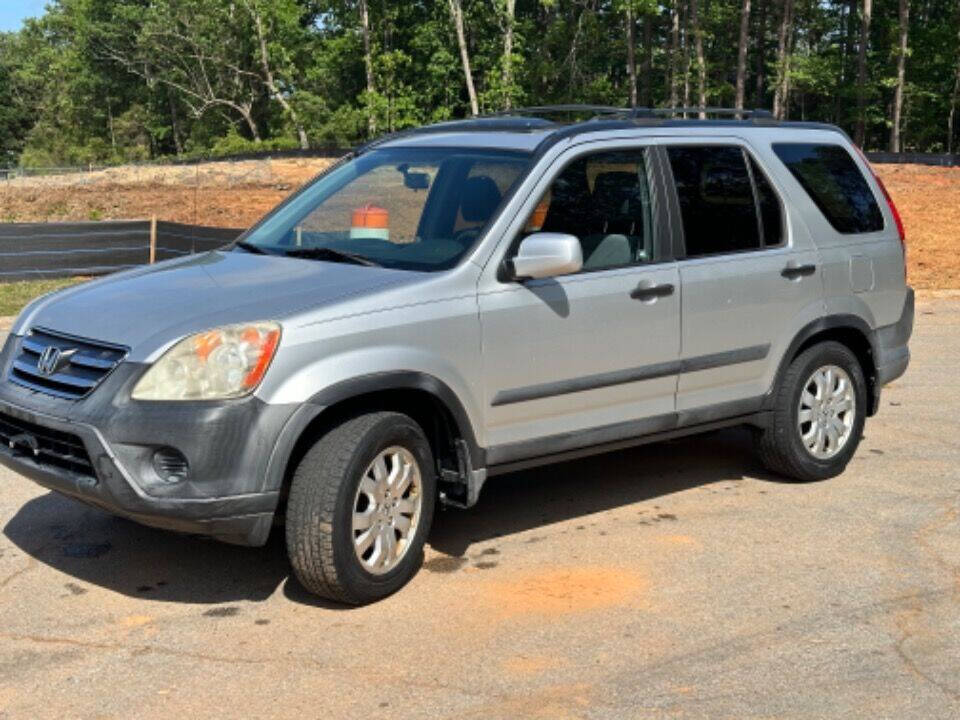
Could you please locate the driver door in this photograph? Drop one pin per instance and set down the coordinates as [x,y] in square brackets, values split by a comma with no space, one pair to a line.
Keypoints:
[591,357]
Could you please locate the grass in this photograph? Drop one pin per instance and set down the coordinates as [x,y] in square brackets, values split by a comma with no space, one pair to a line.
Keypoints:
[14,295]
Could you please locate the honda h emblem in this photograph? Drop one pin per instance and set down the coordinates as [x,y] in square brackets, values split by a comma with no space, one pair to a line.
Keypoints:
[49,360]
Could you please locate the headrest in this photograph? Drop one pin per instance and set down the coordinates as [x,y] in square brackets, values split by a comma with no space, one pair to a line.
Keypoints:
[612,191]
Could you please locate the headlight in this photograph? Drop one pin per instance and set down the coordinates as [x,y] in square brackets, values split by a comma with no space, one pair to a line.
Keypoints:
[227,362]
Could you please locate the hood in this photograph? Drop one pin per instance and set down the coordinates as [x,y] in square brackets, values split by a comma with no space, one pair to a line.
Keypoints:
[148,308]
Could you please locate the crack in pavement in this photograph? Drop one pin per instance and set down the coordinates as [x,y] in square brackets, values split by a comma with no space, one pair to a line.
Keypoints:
[908,623]
[94,645]
[30,565]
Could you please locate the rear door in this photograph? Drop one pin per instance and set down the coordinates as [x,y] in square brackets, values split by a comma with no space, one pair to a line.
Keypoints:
[749,277]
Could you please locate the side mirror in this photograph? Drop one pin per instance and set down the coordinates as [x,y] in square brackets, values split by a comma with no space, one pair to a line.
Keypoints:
[543,255]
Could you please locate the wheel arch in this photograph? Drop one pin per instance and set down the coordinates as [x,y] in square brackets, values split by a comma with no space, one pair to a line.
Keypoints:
[425,398]
[849,330]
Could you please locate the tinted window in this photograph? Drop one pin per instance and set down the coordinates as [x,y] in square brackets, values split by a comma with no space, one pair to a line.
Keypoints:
[604,200]
[771,214]
[716,199]
[834,182]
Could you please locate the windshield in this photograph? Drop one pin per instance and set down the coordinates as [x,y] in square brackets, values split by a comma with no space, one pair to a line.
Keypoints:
[405,208]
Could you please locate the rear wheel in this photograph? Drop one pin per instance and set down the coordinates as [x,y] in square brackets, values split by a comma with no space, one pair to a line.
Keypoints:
[818,415]
[360,507]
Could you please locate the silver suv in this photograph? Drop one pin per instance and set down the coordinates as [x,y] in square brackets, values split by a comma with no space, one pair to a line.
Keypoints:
[464,300]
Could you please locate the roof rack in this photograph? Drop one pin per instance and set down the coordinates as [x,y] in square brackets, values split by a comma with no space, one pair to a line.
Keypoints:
[559,110]
[636,112]
[744,113]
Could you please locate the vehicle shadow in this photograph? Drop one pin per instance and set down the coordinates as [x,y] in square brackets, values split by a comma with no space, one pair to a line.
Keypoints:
[550,494]
[99,549]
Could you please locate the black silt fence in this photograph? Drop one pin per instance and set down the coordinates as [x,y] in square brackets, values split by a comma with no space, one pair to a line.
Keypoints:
[31,251]
[175,239]
[882,158]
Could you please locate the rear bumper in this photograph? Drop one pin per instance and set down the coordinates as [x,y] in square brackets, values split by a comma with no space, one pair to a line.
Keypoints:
[891,351]
[893,354]
[236,451]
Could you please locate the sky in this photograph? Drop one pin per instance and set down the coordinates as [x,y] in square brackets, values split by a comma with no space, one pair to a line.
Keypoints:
[13,12]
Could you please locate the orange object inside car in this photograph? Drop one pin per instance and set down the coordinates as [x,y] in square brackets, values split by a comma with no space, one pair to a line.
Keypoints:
[539,214]
[370,221]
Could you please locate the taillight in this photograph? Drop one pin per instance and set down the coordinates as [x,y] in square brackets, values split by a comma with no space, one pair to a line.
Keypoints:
[893,210]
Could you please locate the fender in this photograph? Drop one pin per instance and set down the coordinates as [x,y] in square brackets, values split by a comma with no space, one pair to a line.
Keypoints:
[830,322]
[406,380]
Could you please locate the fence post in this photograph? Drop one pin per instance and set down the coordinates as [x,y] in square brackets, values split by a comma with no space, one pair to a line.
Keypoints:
[153,239]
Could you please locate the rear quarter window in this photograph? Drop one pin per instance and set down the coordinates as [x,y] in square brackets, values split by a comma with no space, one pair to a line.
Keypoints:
[835,184]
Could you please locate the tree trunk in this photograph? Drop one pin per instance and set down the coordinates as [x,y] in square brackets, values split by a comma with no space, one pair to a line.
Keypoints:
[272,86]
[508,55]
[783,63]
[701,63]
[760,92]
[953,101]
[174,123]
[860,132]
[632,55]
[674,51]
[456,11]
[368,65]
[646,69]
[901,74]
[742,54]
[687,57]
[246,113]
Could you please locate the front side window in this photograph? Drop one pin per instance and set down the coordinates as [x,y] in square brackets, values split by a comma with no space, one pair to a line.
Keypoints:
[835,184]
[405,208]
[726,206]
[604,200]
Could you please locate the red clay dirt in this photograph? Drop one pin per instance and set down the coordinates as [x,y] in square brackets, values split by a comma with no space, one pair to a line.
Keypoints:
[236,194]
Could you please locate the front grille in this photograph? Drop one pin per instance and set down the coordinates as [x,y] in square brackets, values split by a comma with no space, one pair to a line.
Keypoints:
[45,446]
[81,364]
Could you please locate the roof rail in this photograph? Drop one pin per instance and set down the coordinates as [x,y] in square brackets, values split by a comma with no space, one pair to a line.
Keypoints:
[754,114]
[560,109]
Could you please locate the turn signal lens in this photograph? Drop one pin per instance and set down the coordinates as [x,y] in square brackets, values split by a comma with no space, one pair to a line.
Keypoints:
[227,362]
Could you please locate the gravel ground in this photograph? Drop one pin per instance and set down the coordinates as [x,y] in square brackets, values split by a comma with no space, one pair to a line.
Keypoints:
[675,580]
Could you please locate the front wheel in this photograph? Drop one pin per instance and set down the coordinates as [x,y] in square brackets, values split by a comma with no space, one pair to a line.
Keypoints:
[360,507]
[818,415]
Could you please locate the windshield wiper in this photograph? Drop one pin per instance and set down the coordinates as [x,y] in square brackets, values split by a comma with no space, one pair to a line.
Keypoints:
[328,253]
[250,248]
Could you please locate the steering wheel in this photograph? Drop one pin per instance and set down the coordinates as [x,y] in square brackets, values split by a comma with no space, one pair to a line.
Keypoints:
[466,236]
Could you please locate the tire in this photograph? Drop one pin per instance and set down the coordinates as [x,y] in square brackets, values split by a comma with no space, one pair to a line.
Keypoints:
[781,446]
[326,492]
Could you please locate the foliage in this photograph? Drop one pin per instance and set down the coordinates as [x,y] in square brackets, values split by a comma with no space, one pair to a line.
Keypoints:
[14,295]
[111,81]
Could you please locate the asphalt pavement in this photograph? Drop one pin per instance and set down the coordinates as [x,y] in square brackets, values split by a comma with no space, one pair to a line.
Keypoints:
[676,580]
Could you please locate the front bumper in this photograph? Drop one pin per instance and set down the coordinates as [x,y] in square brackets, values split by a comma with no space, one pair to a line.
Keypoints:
[236,451]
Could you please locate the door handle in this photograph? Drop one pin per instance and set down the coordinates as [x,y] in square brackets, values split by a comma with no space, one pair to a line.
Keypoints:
[651,292]
[792,272]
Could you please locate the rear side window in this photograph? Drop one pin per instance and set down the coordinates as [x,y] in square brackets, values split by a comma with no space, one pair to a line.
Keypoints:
[835,184]
[727,205]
